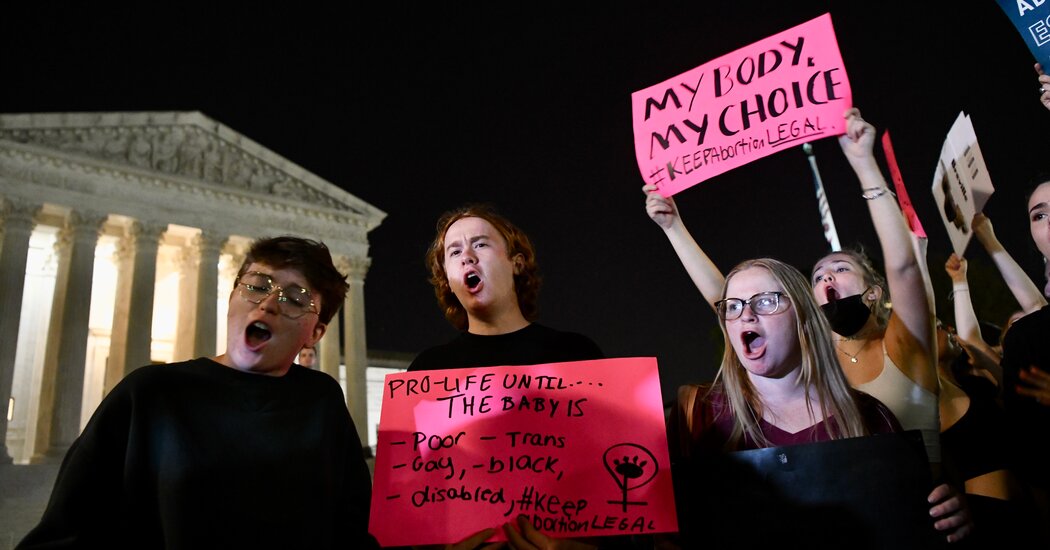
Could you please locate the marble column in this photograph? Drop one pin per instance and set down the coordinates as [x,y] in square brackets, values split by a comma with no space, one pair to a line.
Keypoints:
[209,244]
[143,284]
[328,349]
[229,264]
[45,408]
[73,332]
[123,256]
[356,347]
[18,226]
[188,260]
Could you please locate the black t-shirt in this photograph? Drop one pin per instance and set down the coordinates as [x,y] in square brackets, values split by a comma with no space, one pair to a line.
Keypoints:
[200,455]
[1026,346]
[532,345]
[977,444]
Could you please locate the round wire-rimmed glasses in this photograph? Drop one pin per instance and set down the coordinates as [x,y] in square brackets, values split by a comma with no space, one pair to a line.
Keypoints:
[295,301]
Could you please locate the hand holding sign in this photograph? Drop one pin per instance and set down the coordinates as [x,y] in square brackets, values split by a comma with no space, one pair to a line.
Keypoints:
[858,143]
[661,210]
[961,184]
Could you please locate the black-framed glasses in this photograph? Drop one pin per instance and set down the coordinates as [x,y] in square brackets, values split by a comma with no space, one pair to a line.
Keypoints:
[763,303]
[295,301]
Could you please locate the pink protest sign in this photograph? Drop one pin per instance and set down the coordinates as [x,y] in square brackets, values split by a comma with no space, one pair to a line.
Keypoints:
[578,448]
[902,194]
[779,92]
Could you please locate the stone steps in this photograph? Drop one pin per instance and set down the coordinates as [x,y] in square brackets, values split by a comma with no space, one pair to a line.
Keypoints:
[24,491]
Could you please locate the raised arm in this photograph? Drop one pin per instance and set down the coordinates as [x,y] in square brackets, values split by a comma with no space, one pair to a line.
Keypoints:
[1024,290]
[920,246]
[967,326]
[704,273]
[911,306]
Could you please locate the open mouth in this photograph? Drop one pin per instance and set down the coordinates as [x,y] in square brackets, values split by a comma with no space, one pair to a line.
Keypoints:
[472,280]
[754,343]
[257,334]
[832,294]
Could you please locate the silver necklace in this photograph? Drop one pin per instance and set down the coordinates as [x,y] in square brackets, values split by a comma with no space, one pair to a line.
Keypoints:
[852,356]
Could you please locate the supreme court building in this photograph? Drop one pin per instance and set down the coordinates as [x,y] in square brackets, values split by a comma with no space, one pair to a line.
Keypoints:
[121,237]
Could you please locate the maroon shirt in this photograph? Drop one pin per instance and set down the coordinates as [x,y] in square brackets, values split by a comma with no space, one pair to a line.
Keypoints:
[714,431]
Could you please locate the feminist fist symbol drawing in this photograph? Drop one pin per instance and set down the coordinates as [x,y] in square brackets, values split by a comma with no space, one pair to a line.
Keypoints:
[631,467]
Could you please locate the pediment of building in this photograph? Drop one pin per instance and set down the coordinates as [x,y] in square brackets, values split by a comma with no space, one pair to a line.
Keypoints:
[184,146]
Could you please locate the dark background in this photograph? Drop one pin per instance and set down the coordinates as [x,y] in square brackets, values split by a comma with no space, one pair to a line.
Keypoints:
[419,110]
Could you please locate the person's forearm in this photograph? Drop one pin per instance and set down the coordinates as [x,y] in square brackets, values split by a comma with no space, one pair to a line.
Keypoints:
[1021,286]
[904,275]
[704,273]
[966,324]
[894,237]
[919,247]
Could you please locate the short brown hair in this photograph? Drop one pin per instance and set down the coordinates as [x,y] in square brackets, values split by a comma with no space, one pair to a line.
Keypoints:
[526,281]
[311,258]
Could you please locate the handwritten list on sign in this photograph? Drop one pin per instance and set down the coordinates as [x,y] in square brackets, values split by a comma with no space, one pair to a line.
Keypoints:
[578,448]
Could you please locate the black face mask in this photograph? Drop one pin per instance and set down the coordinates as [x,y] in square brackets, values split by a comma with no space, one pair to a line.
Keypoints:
[847,315]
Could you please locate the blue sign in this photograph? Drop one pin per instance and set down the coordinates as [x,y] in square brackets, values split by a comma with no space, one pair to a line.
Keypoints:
[1032,19]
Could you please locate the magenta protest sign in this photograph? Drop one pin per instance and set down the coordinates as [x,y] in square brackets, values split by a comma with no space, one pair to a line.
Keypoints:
[578,448]
[781,91]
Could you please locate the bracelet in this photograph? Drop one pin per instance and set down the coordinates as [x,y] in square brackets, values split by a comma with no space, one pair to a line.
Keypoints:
[872,193]
[951,295]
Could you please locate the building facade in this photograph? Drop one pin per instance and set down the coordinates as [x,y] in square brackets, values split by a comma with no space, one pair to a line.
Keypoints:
[121,237]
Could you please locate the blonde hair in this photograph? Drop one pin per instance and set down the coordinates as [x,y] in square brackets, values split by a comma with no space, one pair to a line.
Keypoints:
[880,308]
[820,365]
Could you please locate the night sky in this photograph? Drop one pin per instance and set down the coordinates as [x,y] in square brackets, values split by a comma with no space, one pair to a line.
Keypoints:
[419,110]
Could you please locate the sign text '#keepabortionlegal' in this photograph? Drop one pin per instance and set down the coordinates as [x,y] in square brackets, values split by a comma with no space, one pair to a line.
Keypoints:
[578,448]
[784,90]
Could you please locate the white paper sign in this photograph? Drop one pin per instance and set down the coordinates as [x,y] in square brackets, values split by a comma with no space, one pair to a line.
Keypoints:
[961,183]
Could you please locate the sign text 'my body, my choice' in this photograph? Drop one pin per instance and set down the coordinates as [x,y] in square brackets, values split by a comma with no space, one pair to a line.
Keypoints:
[787,89]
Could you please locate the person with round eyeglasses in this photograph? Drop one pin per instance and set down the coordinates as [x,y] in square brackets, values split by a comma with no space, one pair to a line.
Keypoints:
[238,450]
[890,355]
[295,300]
[779,384]
[791,383]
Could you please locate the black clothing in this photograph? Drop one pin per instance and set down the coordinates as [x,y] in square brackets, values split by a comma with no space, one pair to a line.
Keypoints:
[532,345]
[1026,346]
[977,443]
[200,455]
